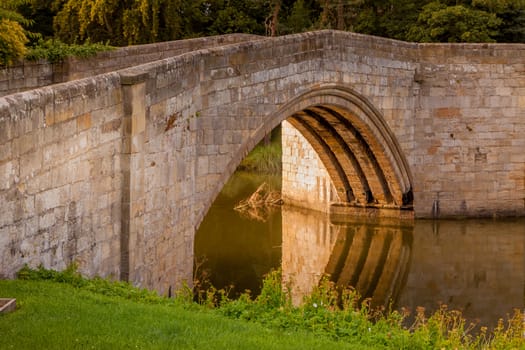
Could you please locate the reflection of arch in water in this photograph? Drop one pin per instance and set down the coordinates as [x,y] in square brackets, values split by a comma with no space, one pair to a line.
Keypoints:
[374,259]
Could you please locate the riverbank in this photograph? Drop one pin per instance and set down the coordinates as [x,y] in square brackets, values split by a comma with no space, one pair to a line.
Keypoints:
[265,158]
[63,310]
[52,315]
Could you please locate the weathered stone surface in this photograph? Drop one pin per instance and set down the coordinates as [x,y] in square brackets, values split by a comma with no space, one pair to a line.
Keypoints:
[117,170]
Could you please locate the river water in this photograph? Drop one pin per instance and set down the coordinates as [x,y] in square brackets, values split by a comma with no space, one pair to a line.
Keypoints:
[476,266]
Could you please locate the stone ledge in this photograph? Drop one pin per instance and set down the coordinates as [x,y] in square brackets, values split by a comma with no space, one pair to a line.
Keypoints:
[7,305]
[132,76]
[341,212]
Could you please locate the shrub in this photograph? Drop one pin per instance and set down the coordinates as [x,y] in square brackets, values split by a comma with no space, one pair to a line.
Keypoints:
[12,42]
[56,51]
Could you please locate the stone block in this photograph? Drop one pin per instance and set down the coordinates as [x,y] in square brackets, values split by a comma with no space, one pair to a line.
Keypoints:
[51,198]
[30,164]
[8,171]
[7,208]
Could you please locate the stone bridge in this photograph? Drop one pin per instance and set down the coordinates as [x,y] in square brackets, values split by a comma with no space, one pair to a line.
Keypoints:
[116,170]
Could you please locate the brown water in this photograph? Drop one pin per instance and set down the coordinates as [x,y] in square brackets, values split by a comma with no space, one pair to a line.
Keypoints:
[477,266]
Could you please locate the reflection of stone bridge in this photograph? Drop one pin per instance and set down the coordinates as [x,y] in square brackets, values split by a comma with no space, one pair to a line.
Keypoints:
[373,259]
[117,170]
[371,256]
[409,264]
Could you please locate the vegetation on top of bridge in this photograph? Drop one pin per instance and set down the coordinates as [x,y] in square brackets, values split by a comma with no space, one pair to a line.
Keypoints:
[17,41]
[121,23]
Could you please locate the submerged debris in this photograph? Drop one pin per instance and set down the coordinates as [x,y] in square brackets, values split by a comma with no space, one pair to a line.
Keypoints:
[260,204]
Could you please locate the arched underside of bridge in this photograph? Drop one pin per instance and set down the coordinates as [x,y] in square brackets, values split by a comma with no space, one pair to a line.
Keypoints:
[363,159]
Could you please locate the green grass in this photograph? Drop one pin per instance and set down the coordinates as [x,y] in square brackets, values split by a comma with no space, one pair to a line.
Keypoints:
[62,310]
[264,158]
[53,315]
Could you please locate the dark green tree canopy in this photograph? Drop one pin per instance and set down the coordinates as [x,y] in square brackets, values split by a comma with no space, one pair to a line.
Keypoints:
[125,22]
[440,23]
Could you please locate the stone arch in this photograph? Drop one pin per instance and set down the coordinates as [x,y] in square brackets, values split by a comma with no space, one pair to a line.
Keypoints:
[363,158]
[358,149]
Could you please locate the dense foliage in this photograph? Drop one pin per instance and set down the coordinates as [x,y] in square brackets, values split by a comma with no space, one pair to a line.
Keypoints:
[13,37]
[54,50]
[125,22]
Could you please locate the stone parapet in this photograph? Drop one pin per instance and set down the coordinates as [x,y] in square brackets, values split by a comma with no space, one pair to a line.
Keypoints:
[28,75]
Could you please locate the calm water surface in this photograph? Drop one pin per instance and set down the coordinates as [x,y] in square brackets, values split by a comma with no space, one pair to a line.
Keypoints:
[477,266]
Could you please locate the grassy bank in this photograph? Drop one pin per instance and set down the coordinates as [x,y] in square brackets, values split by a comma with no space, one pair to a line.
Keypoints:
[52,315]
[64,311]
[265,158]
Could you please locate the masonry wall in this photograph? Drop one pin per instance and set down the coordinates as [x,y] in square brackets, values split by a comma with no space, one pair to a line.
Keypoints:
[60,177]
[469,130]
[385,73]
[25,76]
[305,181]
[457,113]
[249,92]
[28,75]
[165,172]
[207,110]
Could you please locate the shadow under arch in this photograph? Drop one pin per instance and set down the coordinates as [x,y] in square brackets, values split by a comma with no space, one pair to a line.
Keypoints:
[362,155]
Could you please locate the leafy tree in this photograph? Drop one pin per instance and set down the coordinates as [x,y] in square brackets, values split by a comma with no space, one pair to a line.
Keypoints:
[123,22]
[12,41]
[41,14]
[337,14]
[233,20]
[512,15]
[299,19]
[441,23]
[9,11]
[388,18]
[154,20]
[398,16]
[13,36]
[239,16]
[512,29]
[96,20]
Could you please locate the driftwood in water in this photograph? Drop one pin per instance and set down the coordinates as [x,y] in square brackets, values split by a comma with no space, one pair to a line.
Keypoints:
[260,204]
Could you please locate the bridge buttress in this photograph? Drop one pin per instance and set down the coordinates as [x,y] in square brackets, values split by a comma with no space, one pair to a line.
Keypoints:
[132,165]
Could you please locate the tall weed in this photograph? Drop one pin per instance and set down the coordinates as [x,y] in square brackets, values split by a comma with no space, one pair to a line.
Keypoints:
[343,315]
